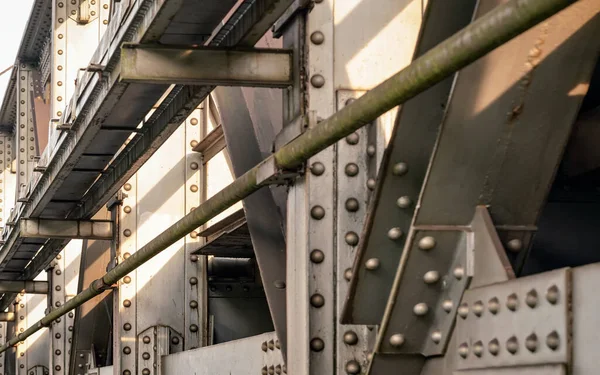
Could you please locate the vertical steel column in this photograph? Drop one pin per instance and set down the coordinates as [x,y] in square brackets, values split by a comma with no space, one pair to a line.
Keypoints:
[21,326]
[3,332]
[63,278]
[24,128]
[7,178]
[195,299]
[125,304]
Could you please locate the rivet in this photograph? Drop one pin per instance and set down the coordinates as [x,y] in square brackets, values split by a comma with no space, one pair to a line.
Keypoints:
[146,339]
[394,233]
[271,370]
[515,245]
[458,273]
[127,350]
[447,305]
[193,328]
[316,344]
[399,169]
[427,243]
[317,37]
[127,303]
[353,139]
[127,186]
[552,294]
[127,326]
[352,204]
[194,121]
[126,255]
[351,169]
[57,288]
[494,305]
[431,277]
[317,212]
[193,258]
[194,188]
[494,347]
[371,183]
[531,342]
[348,274]
[277,344]
[317,300]
[71,314]
[436,336]
[371,150]
[404,202]
[351,238]
[146,356]
[264,371]
[193,304]
[127,209]
[420,309]
[350,338]
[317,80]
[127,232]
[193,143]
[145,371]
[264,347]
[57,304]
[175,340]
[478,348]
[532,298]
[553,340]
[317,168]
[193,280]
[194,234]
[463,310]
[463,350]
[478,308]
[317,256]
[372,264]
[278,369]
[512,302]
[57,368]
[194,165]
[57,352]
[279,284]
[352,367]
[512,345]
[127,279]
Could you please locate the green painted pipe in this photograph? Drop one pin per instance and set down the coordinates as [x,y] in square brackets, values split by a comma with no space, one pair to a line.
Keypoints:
[474,41]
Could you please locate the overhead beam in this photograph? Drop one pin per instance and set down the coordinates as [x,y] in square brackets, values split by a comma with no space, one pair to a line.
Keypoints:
[7,316]
[206,66]
[24,286]
[67,229]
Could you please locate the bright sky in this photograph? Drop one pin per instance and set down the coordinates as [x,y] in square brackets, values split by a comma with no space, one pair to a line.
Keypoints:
[13,17]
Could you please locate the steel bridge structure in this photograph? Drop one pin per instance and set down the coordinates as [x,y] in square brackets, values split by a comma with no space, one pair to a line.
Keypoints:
[302,187]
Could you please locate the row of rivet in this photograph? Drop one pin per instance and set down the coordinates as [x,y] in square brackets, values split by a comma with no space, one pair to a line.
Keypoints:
[512,345]
[512,302]
[58,73]
[271,346]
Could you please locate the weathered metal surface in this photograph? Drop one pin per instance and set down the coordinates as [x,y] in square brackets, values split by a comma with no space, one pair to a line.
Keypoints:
[585,319]
[68,229]
[29,287]
[206,66]
[245,356]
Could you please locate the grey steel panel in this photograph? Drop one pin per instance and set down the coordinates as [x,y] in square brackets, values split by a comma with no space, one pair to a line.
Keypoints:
[93,161]
[244,356]
[262,213]
[386,364]
[411,143]
[205,66]
[586,320]
[235,318]
[519,322]
[233,243]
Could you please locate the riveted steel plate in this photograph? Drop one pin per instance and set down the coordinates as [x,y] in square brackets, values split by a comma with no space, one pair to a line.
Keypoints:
[521,370]
[586,319]
[521,322]
[431,279]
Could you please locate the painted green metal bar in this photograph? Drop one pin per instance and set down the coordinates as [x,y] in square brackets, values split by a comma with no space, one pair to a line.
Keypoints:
[480,37]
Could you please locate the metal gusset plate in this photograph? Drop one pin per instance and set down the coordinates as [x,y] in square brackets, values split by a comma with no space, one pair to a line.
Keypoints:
[519,370]
[519,322]
[402,174]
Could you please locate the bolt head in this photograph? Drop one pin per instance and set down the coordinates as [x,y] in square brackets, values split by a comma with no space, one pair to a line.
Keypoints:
[421,309]
[317,345]
[515,245]
[348,274]
[371,183]
[478,348]
[372,264]
[404,202]
[478,308]
[317,212]
[351,169]
[352,204]
[317,256]
[317,37]
[494,305]
[436,336]
[494,347]
[193,328]
[447,305]
[463,350]
[463,310]
[427,243]
[317,81]
[531,299]
[431,277]
[350,338]
[353,139]
[351,238]
[458,273]
[317,300]
[397,340]
[352,367]
[531,342]
[552,294]
[553,340]
[394,234]
[512,345]
[371,150]
[399,169]
[512,302]
[317,168]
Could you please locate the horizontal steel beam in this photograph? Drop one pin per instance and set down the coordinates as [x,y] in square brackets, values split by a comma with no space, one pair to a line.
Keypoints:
[67,229]
[476,40]
[29,286]
[7,316]
[206,66]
